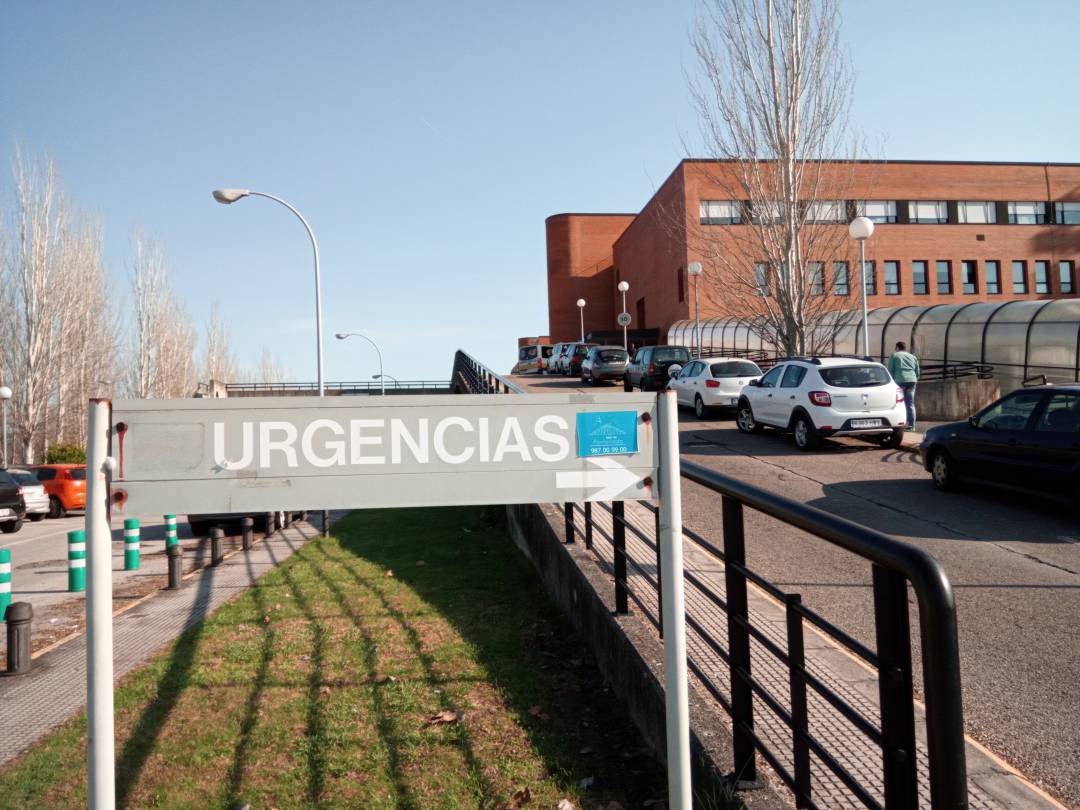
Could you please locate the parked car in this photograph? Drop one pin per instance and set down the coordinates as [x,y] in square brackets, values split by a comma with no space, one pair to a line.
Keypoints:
[531,359]
[829,396]
[648,370]
[12,506]
[65,484]
[604,363]
[575,357]
[34,494]
[1027,441]
[552,364]
[711,383]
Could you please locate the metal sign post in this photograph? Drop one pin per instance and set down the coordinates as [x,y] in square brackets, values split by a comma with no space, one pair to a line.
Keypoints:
[680,796]
[99,630]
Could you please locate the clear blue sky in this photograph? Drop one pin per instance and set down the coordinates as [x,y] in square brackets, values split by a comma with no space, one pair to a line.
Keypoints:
[427,142]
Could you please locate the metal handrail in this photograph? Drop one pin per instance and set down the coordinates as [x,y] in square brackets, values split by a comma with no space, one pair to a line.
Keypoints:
[364,385]
[476,378]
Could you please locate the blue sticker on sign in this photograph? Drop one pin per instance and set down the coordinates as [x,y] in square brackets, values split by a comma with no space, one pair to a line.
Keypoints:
[606,433]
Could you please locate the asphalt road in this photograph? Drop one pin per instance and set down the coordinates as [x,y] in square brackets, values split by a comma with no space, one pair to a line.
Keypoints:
[1014,564]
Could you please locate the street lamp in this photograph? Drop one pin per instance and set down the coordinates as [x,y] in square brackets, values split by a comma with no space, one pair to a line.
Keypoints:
[5,395]
[581,311]
[694,270]
[227,196]
[391,376]
[861,228]
[380,375]
[623,287]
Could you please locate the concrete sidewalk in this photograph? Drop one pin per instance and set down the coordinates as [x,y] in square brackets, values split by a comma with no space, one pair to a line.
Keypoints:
[55,689]
[991,782]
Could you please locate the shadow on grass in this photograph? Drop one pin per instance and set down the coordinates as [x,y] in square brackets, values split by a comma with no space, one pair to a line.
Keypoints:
[474,577]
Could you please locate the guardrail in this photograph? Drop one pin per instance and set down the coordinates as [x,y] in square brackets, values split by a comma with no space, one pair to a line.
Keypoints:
[472,377]
[366,386]
[894,565]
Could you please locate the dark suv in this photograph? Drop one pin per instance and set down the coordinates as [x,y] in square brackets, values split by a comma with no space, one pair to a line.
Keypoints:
[12,506]
[648,370]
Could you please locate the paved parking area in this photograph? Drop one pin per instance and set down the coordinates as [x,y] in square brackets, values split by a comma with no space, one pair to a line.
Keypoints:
[1014,564]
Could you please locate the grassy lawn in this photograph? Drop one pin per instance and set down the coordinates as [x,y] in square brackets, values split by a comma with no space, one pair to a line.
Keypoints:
[409,661]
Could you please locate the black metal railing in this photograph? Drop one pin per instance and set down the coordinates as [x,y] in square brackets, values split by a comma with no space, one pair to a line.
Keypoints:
[361,386]
[893,566]
[472,377]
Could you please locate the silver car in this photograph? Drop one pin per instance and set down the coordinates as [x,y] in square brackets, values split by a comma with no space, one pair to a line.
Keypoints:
[37,501]
[604,363]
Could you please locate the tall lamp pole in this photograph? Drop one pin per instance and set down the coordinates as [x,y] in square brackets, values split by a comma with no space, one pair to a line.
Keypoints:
[694,269]
[380,376]
[581,311]
[623,287]
[227,196]
[860,229]
[5,395]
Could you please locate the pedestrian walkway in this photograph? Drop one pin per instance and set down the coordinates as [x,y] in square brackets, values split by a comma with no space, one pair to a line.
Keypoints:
[992,785]
[55,689]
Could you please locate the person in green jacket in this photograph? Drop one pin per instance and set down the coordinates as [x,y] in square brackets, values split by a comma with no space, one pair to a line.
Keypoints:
[904,368]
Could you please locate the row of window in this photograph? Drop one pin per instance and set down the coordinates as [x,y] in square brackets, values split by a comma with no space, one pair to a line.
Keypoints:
[929,212]
[1034,276]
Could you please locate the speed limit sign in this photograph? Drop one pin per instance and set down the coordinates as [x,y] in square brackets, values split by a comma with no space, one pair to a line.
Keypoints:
[624,319]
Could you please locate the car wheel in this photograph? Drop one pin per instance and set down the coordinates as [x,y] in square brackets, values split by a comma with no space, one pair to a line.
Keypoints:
[744,419]
[700,410]
[56,509]
[37,516]
[892,440]
[941,470]
[806,437]
[11,526]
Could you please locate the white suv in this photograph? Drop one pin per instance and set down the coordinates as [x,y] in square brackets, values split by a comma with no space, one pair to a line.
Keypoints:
[827,396]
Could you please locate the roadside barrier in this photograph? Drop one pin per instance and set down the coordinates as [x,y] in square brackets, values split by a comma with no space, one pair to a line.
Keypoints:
[176,566]
[76,560]
[131,544]
[217,534]
[170,531]
[247,529]
[18,616]
[5,581]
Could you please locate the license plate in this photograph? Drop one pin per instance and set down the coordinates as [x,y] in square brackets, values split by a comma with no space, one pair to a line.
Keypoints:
[865,423]
[734,400]
[5,513]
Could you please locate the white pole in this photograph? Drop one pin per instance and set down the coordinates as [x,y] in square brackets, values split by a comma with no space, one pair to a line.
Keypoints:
[680,796]
[625,342]
[5,433]
[581,311]
[697,327]
[99,631]
[862,284]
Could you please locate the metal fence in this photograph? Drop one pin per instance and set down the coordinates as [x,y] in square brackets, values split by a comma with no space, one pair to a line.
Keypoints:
[359,387]
[473,377]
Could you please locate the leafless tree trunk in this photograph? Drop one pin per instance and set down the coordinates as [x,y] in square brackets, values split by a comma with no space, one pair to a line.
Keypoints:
[218,361]
[773,96]
[270,370]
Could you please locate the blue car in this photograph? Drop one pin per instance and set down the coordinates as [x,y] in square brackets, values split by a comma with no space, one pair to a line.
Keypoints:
[1027,441]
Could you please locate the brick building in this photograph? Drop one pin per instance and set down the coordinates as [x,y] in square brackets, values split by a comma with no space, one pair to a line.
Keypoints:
[945,233]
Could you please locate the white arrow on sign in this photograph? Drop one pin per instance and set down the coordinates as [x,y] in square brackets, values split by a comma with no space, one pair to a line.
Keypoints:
[612,478]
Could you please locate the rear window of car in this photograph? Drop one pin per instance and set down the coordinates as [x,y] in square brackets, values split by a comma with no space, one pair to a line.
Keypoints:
[665,354]
[78,473]
[45,474]
[613,356]
[25,478]
[581,351]
[743,368]
[7,478]
[855,376]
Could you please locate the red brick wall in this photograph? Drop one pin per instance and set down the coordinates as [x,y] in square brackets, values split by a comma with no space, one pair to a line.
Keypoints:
[580,266]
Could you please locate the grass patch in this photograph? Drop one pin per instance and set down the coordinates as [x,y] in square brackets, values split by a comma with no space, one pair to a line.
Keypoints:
[318,687]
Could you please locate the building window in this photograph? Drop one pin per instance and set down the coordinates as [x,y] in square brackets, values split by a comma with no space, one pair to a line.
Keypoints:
[1019,277]
[826,211]
[680,280]
[944,277]
[1065,277]
[1068,213]
[869,278]
[815,272]
[993,277]
[840,278]
[1027,213]
[882,212]
[976,213]
[767,211]
[918,278]
[892,278]
[928,212]
[761,278]
[1042,277]
[969,277]
[721,212]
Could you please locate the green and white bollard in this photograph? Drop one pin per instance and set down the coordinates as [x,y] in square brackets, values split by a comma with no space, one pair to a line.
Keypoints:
[131,544]
[76,560]
[5,581]
[170,531]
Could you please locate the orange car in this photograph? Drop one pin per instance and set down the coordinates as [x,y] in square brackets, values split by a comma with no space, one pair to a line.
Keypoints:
[65,485]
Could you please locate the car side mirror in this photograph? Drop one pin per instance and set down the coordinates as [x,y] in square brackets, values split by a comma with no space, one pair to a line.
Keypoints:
[755,383]
[973,421]
[674,371]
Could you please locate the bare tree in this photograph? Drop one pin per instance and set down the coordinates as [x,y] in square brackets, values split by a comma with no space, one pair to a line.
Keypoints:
[218,361]
[772,97]
[270,370]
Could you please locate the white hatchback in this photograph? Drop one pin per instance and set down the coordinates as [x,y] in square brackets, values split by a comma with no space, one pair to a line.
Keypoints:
[709,383]
[826,396]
